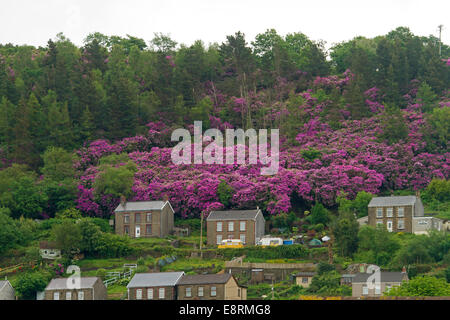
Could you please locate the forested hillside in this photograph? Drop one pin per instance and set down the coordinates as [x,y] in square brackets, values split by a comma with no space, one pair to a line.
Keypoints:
[82,126]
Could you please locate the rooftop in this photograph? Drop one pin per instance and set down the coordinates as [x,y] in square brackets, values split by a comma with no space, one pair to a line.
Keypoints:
[384,277]
[205,279]
[61,283]
[140,206]
[233,215]
[156,279]
[393,201]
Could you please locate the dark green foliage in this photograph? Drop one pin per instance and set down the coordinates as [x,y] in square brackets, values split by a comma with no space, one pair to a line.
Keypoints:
[345,230]
[28,284]
[319,214]
[225,193]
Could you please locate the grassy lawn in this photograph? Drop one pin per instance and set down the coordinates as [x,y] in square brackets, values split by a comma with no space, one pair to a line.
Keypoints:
[194,265]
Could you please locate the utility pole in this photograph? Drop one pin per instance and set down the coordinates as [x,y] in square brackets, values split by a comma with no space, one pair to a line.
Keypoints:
[201,234]
[440,41]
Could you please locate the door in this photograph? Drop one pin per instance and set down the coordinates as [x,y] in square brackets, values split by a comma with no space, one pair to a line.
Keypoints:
[138,231]
[389,226]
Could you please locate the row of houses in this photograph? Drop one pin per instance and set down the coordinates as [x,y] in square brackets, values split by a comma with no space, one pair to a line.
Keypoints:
[156,219]
[153,286]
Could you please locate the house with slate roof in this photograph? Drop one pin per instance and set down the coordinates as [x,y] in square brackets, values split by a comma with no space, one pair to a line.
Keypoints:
[6,290]
[90,288]
[396,213]
[210,287]
[154,286]
[144,219]
[363,286]
[245,225]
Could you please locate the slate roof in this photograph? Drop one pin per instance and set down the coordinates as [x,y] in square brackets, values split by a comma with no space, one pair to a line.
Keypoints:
[3,283]
[156,279]
[233,215]
[140,206]
[384,277]
[204,279]
[61,283]
[392,201]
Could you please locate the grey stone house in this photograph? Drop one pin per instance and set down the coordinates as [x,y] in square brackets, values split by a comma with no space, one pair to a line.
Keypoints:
[361,288]
[245,225]
[396,213]
[7,292]
[91,288]
[154,286]
[144,219]
[210,287]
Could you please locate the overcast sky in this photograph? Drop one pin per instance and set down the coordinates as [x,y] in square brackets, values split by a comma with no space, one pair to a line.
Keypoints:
[35,21]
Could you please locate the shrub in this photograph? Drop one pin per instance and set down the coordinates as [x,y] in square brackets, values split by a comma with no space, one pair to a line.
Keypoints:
[101,273]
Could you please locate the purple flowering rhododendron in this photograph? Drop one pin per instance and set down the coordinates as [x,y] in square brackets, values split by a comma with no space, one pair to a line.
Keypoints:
[352,159]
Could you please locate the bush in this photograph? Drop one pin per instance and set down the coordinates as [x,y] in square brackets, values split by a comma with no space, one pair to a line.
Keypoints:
[101,273]
[295,251]
[28,284]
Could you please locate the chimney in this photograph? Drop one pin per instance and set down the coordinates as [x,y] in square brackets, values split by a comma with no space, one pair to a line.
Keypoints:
[418,194]
[404,269]
[123,201]
[165,197]
[257,208]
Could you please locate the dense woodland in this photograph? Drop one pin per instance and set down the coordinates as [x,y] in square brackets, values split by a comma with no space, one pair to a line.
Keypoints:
[82,126]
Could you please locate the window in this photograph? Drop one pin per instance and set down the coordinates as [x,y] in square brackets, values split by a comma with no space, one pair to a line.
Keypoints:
[80,295]
[162,293]
[137,218]
[401,212]
[55,295]
[200,291]
[230,226]
[304,280]
[230,236]
[365,290]
[213,291]
[138,294]
[401,224]
[219,226]
[189,292]
[149,294]
[127,230]
[242,237]
[389,212]
[148,229]
[69,295]
[126,218]
[149,217]
[377,289]
[379,212]
[219,239]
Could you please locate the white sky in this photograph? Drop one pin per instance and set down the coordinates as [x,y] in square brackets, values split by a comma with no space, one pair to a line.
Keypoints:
[35,21]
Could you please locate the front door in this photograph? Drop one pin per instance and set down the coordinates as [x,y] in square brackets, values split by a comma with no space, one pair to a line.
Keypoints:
[389,226]
[138,231]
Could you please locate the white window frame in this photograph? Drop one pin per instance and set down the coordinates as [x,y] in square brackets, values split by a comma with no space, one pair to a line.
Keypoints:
[219,239]
[150,294]
[80,295]
[68,295]
[231,226]
[161,293]
[377,289]
[219,227]
[200,291]
[188,292]
[389,212]
[149,214]
[365,290]
[213,291]
[242,237]
[242,226]
[55,295]
[126,218]
[379,212]
[138,294]
[402,212]
[403,224]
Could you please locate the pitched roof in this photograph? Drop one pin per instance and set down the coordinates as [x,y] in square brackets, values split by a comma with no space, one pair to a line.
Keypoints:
[156,279]
[392,201]
[233,215]
[61,283]
[205,279]
[305,274]
[48,245]
[3,283]
[384,277]
[140,206]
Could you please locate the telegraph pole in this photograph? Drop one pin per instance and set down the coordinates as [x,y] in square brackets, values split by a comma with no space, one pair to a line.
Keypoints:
[201,234]
[440,34]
